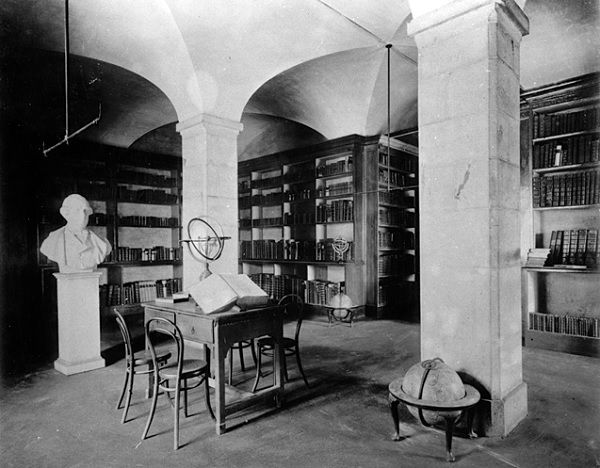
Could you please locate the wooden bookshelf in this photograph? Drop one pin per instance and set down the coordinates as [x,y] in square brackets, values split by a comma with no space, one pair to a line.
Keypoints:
[316,197]
[561,146]
[136,198]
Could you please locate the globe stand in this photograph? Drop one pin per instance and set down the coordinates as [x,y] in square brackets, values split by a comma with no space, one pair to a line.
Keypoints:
[204,240]
[446,409]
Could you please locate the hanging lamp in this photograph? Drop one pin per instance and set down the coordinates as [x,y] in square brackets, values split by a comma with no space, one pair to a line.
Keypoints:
[68,136]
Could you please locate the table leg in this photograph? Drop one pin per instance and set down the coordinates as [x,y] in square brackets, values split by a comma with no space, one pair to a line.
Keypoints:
[220,354]
[470,432]
[393,402]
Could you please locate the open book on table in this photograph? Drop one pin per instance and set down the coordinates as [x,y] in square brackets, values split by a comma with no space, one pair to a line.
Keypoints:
[220,292]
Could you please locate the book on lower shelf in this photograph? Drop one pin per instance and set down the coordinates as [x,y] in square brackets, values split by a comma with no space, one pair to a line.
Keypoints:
[565,324]
[572,249]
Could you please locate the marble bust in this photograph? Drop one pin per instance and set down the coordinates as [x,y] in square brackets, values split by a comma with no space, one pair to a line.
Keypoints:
[74,247]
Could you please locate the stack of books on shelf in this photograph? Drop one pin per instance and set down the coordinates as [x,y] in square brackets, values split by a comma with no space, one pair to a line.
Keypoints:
[395,239]
[266,182]
[138,291]
[536,258]
[580,149]
[571,189]
[396,216]
[320,292]
[146,178]
[277,286]
[125,194]
[336,211]
[139,254]
[299,194]
[567,122]
[334,168]
[575,248]
[565,324]
[148,221]
[264,222]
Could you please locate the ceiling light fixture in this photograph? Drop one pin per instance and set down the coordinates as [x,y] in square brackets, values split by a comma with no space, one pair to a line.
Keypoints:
[68,136]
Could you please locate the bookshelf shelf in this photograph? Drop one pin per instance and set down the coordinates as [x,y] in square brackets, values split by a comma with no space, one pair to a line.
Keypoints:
[560,141]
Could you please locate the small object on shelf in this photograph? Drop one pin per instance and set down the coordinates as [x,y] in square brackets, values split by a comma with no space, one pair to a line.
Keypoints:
[537,257]
[558,156]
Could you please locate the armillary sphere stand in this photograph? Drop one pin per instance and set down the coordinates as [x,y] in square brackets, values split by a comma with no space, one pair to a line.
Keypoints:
[470,399]
[209,247]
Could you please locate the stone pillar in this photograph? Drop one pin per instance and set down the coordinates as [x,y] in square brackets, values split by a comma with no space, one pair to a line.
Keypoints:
[210,186]
[78,322]
[469,198]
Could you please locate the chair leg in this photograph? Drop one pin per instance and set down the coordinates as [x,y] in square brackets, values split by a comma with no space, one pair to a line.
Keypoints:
[185,399]
[300,367]
[285,372]
[120,402]
[230,365]
[176,417]
[152,407]
[241,353]
[253,350]
[258,369]
[207,395]
[128,400]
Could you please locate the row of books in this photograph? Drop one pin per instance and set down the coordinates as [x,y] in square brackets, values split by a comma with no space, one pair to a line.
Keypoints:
[148,221]
[398,162]
[145,196]
[266,182]
[339,188]
[299,217]
[336,211]
[277,286]
[396,197]
[572,189]
[567,122]
[146,178]
[395,239]
[138,291]
[273,198]
[565,324]
[290,249]
[395,293]
[579,149]
[303,194]
[395,178]
[334,168]
[262,222]
[576,247]
[139,254]
[396,217]
[321,292]
[395,264]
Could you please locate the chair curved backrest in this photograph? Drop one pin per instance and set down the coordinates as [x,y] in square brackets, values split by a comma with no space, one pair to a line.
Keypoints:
[125,334]
[156,326]
[293,307]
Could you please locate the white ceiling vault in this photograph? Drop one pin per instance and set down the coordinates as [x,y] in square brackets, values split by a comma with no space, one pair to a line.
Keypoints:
[318,63]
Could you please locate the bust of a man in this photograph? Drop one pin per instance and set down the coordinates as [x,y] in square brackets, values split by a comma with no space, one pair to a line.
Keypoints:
[74,247]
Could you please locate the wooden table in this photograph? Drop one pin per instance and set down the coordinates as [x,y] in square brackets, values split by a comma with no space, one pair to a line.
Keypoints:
[218,332]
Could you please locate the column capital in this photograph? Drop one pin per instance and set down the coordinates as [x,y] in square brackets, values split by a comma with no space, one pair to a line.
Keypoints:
[208,122]
[459,8]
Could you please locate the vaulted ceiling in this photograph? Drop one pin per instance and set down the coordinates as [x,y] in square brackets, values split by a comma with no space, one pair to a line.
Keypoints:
[299,70]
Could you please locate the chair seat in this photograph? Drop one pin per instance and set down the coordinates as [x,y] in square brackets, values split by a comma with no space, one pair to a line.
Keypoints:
[269,343]
[144,357]
[190,368]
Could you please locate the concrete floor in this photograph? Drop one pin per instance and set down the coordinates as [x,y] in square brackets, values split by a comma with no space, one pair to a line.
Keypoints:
[51,420]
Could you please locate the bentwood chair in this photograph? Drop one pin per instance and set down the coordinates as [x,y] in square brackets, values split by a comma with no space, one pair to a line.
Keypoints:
[136,363]
[240,346]
[175,376]
[293,307]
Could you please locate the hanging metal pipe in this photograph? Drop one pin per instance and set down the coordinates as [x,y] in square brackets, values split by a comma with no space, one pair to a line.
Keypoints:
[66,68]
[388,47]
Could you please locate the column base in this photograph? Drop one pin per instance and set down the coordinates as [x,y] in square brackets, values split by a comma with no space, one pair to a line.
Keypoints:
[70,368]
[506,413]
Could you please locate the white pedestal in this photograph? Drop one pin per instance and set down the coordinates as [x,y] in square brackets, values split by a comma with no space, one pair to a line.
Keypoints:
[78,322]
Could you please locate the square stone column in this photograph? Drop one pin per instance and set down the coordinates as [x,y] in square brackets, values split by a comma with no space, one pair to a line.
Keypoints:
[210,186]
[469,198]
[78,322]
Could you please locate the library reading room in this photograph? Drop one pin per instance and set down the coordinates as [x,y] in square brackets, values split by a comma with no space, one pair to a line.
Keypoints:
[300,233]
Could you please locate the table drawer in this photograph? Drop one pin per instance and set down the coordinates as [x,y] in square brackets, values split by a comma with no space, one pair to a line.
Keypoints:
[151,313]
[195,329]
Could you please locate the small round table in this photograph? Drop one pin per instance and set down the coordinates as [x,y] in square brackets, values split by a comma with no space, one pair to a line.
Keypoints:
[471,398]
